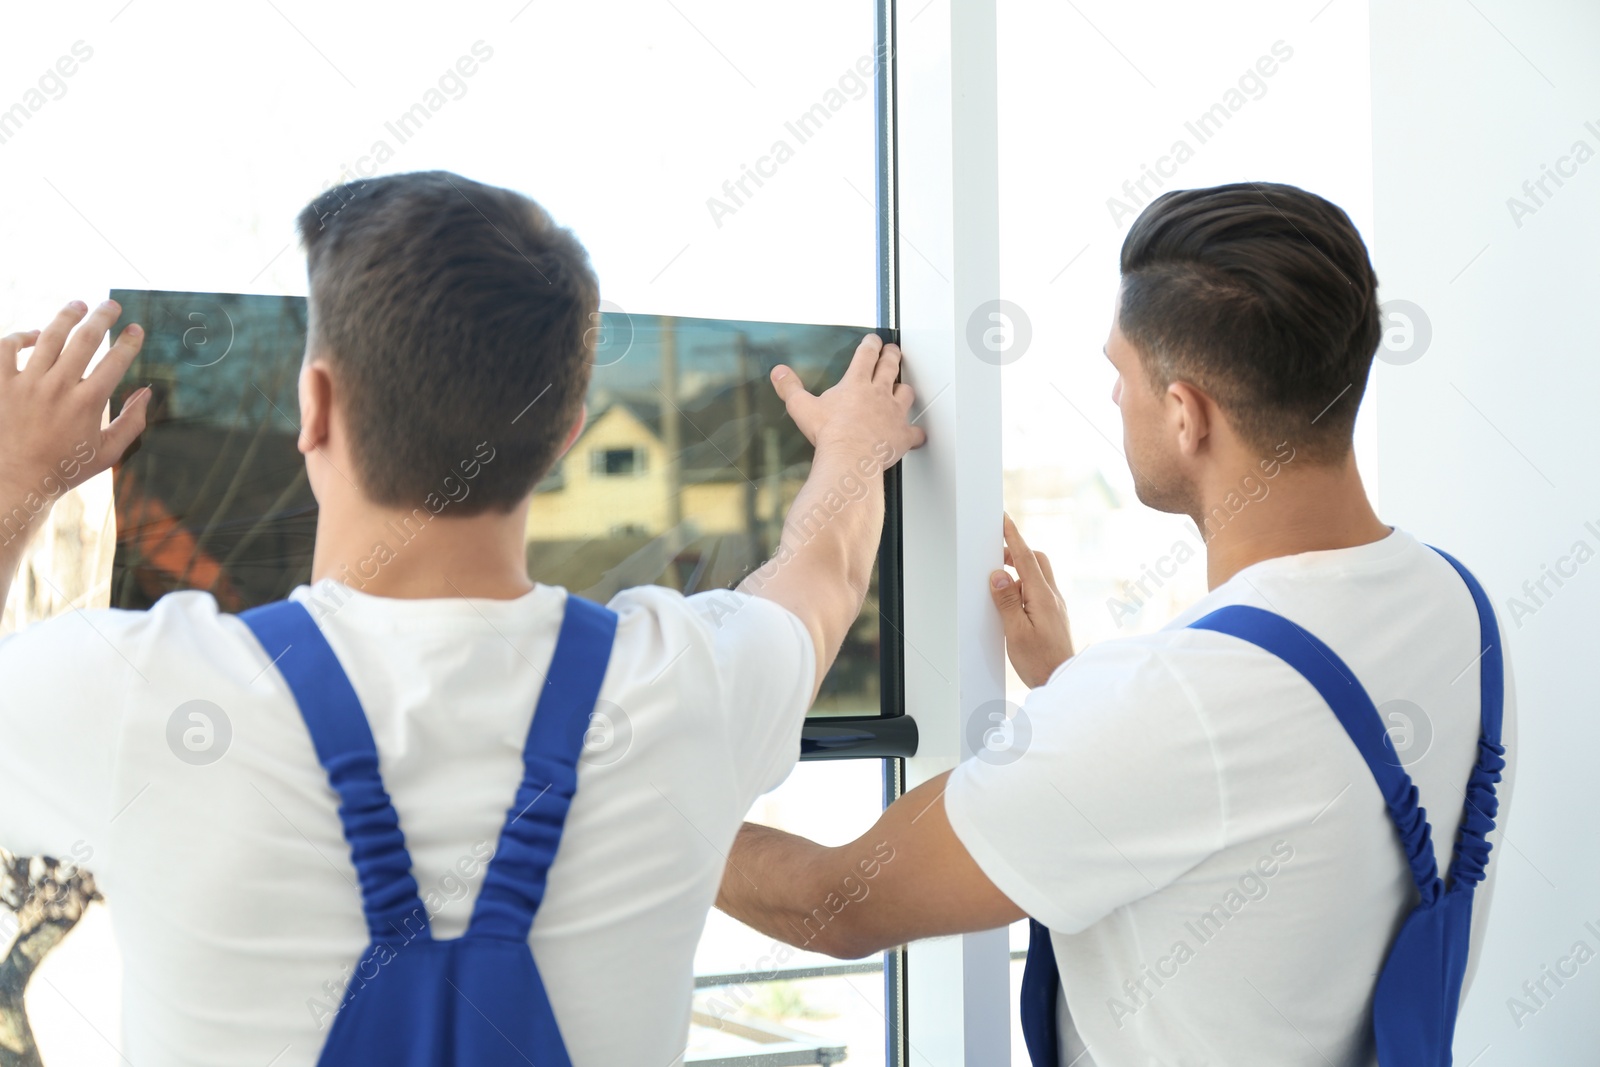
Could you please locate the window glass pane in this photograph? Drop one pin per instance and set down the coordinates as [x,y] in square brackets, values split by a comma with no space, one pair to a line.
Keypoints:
[691,466]
[682,477]
[715,157]
[755,994]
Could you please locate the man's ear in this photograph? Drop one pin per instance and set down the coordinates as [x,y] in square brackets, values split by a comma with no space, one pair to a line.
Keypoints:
[316,405]
[576,431]
[1190,412]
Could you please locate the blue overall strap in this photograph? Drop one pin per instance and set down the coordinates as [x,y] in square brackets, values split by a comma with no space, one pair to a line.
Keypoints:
[1419,988]
[345,748]
[1477,817]
[514,884]
[1322,667]
[1041,986]
[1418,992]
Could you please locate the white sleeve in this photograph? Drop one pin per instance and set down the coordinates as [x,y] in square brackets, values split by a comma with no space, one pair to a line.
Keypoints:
[1108,791]
[768,667]
[65,687]
[762,669]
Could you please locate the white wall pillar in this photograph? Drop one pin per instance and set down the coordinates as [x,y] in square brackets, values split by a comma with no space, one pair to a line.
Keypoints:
[950,274]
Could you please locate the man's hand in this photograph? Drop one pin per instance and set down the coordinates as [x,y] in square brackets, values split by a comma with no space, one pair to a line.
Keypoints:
[865,414]
[824,560]
[51,437]
[1031,610]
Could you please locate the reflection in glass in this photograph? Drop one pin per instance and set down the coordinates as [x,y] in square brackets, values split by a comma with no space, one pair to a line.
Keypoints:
[682,475]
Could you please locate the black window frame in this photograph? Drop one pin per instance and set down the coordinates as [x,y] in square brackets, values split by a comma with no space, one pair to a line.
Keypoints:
[891,735]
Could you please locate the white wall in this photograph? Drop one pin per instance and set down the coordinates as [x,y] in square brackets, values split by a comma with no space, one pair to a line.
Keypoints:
[1486,440]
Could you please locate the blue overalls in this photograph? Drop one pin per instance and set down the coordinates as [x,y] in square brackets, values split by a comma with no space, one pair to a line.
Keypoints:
[478,999]
[1419,989]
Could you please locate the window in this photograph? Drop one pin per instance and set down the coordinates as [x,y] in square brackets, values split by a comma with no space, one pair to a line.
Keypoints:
[756,996]
[693,464]
[693,100]
[614,462]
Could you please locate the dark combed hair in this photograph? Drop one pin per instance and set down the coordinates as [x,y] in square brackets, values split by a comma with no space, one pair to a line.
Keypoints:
[1263,296]
[452,314]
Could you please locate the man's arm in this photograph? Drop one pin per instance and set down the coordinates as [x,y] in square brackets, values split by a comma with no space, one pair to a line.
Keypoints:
[908,877]
[51,437]
[65,678]
[860,428]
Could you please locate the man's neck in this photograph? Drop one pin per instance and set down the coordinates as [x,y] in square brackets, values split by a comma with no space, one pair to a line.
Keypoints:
[1308,508]
[414,555]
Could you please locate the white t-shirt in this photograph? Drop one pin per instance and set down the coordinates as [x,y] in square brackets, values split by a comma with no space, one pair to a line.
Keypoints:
[1212,856]
[230,883]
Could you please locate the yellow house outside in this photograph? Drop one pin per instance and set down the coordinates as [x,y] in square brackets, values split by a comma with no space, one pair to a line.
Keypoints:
[617,481]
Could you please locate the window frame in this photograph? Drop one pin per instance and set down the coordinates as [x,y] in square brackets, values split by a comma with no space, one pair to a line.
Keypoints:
[891,734]
[600,462]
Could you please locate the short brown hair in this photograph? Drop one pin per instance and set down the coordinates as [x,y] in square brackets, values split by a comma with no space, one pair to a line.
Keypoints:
[1263,296]
[452,314]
